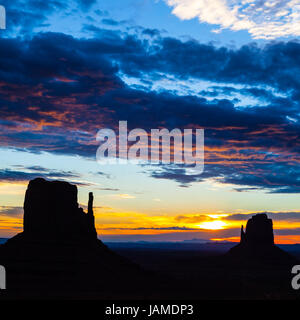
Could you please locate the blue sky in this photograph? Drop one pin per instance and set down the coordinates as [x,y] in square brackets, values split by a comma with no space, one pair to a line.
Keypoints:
[68,69]
[70,17]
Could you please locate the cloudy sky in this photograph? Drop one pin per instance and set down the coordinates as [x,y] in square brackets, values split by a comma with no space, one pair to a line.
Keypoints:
[230,67]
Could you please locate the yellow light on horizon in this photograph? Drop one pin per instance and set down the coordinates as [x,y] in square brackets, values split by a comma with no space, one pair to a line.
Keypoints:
[212,225]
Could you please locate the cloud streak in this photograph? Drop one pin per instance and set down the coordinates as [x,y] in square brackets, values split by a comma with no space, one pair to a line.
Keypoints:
[265,19]
[75,88]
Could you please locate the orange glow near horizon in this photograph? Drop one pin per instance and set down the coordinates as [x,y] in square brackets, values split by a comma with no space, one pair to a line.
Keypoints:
[110,221]
[213,225]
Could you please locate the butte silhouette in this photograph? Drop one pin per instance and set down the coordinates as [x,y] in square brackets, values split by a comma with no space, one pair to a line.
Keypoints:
[257,243]
[58,249]
[58,255]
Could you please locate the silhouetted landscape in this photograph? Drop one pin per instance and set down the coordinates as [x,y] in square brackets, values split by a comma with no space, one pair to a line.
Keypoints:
[58,255]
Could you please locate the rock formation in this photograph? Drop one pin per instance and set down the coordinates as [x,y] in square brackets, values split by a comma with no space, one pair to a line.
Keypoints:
[257,242]
[58,255]
[51,212]
[259,231]
[58,249]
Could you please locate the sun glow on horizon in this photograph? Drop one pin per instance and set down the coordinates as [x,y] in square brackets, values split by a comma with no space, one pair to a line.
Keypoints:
[212,225]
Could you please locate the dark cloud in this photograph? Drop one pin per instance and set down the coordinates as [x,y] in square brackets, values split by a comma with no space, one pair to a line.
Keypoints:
[151,32]
[112,23]
[274,64]
[103,174]
[262,95]
[194,218]
[269,177]
[14,175]
[287,232]
[56,91]
[155,228]
[11,211]
[176,236]
[23,16]
[276,216]
[86,4]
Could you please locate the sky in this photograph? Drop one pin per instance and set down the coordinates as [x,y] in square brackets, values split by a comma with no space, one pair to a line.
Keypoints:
[230,67]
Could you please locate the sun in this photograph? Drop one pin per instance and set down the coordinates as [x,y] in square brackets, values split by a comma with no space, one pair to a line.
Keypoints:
[212,225]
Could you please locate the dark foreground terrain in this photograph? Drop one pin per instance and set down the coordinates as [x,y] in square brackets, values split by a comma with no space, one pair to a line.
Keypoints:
[186,271]
[202,271]
[59,255]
